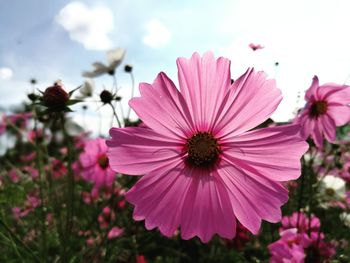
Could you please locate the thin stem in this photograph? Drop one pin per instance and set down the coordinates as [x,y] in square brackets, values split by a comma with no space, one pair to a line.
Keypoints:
[19,241]
[115,115]
[71,184]
[39,164]
[132,92]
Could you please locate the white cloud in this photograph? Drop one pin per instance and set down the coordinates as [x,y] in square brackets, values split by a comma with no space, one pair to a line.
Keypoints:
[157,34]
[89,26]
[6,73]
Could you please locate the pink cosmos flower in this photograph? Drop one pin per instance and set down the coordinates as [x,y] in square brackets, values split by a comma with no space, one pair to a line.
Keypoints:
[203,166]
[95,165]
[30,204]
[255,47]
[290,248]
[327,107]
[115,232]
[300,221]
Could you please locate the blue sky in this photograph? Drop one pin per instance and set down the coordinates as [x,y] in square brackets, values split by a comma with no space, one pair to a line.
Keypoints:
[307,38]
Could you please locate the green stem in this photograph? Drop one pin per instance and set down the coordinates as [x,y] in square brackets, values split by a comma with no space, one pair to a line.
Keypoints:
[71,188]
[19,241]
[39,164]
[115,115]
[132,93]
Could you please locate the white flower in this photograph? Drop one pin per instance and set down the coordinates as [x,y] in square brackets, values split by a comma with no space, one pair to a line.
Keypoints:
[345,218]
[87,89]
[332,188]
[114,59]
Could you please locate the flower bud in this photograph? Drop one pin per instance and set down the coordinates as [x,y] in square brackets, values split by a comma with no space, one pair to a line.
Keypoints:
[106,97]
[55,98]
[128,68]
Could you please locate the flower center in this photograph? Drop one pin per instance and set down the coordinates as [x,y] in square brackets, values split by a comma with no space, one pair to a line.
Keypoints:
[330,191]
[318,108]
[103,161]
[203,150]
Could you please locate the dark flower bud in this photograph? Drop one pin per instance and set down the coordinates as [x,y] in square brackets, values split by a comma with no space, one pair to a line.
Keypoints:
[55,98]
[128,68]
[118,98]
[33,97]
[106,97]
[111,72]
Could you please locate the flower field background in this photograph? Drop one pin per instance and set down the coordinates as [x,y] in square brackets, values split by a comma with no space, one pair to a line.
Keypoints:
[63,199]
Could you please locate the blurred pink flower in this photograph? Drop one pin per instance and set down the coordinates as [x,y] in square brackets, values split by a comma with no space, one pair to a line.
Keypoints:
[2,126]
[115,232]
[141,259]
[327,107]
[300,221]
[298,235]
[290,247]
[28,157]
[255,47]
[30,204]
[95,165]
[345,172]
[203,165]
[20,120]
[14,176]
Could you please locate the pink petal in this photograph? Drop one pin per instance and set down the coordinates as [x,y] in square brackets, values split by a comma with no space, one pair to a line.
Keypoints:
[136,151]
[332,92]
[339,113]
[251,101]
[174,196]
[253,197]
[207,209]
[162,108]
[158,197]
[203,83]
[271,152]
[329,128]
[317,134]
[311,92]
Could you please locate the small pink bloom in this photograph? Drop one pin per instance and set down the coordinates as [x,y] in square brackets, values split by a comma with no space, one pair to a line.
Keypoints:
[345,172]
[290,248]
[141,259]
[202,163]
[34,173]
[255,47]
[14,176]
[115,232]
[20,120]
[300,221]
[30,204]
[327,107]
[95,165]
[28,157]
[58,169]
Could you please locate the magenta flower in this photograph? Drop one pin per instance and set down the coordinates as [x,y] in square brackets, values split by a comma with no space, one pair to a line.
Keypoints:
[290,248]
[115,232]
[203,166]
[95,165]
[327,107]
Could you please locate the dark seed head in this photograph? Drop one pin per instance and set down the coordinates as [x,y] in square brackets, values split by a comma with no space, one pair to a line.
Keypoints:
[318,108]
[203,150]
[103,161]
[106,96]
[128,68]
